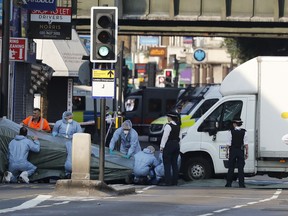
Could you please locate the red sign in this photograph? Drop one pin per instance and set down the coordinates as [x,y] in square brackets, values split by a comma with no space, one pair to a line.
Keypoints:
[140,68]
[18,49]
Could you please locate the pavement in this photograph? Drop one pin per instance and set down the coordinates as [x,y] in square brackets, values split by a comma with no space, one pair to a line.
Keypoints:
[255,182]
[73,187]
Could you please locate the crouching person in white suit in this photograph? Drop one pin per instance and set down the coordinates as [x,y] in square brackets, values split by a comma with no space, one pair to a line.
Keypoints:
[18,153]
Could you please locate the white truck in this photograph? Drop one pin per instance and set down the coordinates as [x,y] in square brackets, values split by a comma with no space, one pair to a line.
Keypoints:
[257,92]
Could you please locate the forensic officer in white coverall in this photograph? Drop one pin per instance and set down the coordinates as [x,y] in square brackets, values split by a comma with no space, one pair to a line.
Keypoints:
[18,153]
[66,127]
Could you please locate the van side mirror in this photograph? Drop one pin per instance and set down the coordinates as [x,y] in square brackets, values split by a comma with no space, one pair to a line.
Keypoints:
[210,126]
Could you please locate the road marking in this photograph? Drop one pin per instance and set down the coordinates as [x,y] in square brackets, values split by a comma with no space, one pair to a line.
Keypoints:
[144,189]
[221,210]
[275,196]
[26,205]
[209,214]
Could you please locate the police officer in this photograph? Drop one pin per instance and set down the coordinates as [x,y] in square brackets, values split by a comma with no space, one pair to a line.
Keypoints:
[236,151]
[171,149]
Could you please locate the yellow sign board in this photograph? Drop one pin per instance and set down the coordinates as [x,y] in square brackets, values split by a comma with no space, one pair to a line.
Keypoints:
[157,51]
[103,74]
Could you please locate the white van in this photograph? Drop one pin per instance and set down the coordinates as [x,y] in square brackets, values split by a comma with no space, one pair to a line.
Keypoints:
[256,91]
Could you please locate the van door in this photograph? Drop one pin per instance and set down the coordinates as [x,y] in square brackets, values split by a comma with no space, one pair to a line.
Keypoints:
[215,128]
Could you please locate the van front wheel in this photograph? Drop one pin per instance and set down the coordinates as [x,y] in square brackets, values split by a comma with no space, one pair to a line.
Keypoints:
[197,169]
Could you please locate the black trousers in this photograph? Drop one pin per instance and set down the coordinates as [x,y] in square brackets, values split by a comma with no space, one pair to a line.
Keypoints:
[170,159]
[236,155]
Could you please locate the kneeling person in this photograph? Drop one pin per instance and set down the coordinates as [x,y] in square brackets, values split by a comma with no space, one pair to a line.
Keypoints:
[144,164]
[19,149]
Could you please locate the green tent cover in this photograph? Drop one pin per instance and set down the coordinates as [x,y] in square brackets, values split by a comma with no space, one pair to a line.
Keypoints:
[52,156]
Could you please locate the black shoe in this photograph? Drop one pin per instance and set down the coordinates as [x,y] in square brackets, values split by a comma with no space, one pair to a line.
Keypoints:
[242,186]
[228,185]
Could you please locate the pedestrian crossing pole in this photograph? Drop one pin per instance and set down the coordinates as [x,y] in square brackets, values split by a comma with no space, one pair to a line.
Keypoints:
[102,139]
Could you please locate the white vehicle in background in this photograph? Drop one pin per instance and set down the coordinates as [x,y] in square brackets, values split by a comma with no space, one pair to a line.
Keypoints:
[83,104]
[257,92]
[195,101]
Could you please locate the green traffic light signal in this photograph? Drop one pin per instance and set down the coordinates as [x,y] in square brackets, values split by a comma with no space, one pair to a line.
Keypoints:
[104,52]
[104,21]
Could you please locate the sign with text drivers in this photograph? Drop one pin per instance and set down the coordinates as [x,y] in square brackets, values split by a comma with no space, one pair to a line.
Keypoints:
[51,24]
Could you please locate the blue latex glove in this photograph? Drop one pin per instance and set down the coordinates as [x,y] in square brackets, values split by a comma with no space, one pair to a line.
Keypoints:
[126,156]
[54,134]
[111,152]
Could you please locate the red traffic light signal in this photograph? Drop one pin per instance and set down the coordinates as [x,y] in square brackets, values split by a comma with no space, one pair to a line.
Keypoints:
[168,77]
[104,32]
[168,73]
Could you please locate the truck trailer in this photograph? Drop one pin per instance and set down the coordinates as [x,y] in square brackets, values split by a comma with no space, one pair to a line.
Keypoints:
[256,92]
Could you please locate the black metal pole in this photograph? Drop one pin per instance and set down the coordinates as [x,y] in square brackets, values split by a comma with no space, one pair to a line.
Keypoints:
[120,93]
[95,136]
[176,67]
[5,58]
[102,139]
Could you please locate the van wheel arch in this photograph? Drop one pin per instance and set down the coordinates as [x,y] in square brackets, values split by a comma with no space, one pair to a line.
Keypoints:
[197,167]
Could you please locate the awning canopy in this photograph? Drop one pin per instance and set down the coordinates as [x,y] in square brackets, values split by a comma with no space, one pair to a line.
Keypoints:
[64,56]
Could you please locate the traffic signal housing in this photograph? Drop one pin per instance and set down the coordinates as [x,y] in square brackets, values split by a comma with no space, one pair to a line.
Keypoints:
[168,77]
[104,32]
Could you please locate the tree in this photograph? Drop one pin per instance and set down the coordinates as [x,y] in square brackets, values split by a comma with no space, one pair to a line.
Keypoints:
[244,49]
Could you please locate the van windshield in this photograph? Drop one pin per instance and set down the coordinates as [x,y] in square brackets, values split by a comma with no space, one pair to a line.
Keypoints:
[131,105]
[188,106]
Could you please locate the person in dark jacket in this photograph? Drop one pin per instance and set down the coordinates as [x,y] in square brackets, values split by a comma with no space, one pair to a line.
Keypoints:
[236,151]
[171,149]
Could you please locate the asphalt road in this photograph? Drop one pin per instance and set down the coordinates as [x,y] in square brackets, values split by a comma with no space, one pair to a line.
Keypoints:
[263,196]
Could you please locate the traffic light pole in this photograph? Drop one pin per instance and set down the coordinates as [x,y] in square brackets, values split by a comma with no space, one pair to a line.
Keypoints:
[176,67]
[120,73]
[102,139]
[104,33]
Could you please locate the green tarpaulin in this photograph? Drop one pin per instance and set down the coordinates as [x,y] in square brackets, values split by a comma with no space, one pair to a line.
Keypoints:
[51,158]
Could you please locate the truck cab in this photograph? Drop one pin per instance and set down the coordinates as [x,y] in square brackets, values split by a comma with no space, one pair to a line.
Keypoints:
[255,92]
[194,102]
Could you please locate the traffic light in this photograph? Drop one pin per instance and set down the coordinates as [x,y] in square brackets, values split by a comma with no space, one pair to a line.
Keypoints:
[168,77]
[104,31]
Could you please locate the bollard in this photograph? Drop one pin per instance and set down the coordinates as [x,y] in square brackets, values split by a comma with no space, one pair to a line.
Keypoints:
[118,121]
[81,156]
[80,183]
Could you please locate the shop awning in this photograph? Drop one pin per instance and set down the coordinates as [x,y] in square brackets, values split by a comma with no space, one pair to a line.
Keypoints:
[64,56]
